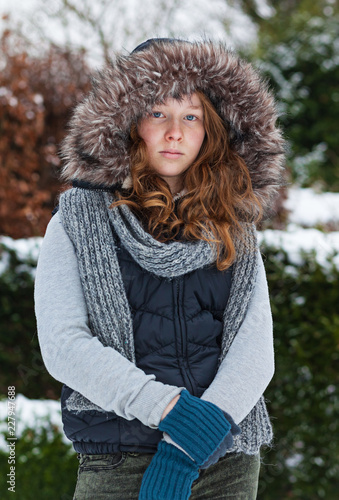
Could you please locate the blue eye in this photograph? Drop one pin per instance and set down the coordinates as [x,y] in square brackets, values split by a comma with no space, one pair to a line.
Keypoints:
[156,114]
[191,118]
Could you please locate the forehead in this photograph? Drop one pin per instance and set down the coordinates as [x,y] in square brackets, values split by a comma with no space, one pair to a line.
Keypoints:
[187,101]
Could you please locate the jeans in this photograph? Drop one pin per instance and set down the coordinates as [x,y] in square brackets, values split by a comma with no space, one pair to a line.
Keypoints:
[118,477]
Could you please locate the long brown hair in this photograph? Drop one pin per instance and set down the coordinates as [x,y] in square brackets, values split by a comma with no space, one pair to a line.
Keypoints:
[219,192]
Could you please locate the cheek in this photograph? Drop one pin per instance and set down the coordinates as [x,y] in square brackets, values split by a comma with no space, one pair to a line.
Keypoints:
[147,133]
[141,129]
[199,139]
[143,132]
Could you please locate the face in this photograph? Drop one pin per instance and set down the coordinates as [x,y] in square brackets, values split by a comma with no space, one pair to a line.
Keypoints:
[173,133]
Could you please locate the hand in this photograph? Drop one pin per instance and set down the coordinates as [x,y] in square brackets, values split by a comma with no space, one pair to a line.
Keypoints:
[169,476]
[197,426]
[222,449]
[226,444]
[170,406]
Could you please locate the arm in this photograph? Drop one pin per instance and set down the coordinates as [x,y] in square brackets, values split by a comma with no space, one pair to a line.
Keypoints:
[72,355]
[249,365]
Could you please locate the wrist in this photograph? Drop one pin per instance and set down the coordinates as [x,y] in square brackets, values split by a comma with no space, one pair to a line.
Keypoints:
[197,426]
[170,406]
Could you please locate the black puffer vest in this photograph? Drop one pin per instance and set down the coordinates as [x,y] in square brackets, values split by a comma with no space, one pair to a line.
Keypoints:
[177,332]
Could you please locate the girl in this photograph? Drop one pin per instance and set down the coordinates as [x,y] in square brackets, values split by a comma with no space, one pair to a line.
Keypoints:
[151,296]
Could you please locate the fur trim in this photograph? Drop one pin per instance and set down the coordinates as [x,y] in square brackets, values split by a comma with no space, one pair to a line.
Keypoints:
[96,148]
[128,182]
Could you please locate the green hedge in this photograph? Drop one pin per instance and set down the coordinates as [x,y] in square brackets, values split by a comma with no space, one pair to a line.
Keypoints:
[303,396]
[45,467]
[20,359]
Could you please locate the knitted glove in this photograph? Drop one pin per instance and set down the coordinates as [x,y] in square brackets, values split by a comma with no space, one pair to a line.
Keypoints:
[198,426]
[169,476]
[225,445]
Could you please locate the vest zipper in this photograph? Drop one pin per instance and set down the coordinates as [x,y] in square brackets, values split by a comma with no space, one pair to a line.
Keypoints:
[183,354]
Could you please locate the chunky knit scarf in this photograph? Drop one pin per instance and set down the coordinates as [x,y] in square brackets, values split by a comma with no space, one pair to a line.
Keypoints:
[88,221]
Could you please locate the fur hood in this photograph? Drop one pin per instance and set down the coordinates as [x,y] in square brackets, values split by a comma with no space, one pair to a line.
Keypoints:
[96,147]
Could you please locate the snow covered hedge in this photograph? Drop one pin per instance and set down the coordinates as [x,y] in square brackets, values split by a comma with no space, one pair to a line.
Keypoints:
[45,464]
[303,395]
[20,358]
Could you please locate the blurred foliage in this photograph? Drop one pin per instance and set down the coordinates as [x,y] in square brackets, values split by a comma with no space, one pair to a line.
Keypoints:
[45,467]
[36,95]
[20,358]
[298,49]
[303,395]
[273,17]
[304,70]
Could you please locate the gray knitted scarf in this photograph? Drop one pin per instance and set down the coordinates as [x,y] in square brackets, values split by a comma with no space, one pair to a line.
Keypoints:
[88,221]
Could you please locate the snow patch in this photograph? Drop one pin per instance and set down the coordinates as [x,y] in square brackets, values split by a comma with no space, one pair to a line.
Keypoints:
[296,240]
[308,208]
[25,248]
[30,413]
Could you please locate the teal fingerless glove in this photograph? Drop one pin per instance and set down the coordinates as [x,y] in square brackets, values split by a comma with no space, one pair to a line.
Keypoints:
[225,445]
[169,476]
[198,426]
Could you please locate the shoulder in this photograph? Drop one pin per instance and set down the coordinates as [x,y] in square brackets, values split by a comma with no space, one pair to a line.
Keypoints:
[80,208]
[57,258]
[89,197]
[55,236]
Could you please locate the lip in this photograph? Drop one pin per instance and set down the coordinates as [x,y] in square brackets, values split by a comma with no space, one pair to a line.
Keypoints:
[171,153]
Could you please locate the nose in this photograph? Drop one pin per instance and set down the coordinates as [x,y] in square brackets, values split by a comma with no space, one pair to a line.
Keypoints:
[174,131]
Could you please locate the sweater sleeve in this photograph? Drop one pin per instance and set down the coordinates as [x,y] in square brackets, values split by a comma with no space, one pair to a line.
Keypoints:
[248,367]
[72,355]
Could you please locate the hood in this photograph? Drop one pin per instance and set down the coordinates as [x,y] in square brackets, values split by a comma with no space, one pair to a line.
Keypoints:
[96,149]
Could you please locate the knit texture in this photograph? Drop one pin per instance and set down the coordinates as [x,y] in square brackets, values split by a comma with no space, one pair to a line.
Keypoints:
[169,476]
[88,221]
[196,425]
[225,445]
[167,261]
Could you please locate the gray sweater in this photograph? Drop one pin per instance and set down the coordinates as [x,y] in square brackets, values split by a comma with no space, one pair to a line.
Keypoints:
[74,357]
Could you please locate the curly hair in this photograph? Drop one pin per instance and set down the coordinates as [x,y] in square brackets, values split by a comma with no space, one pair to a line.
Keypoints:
[219,192]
